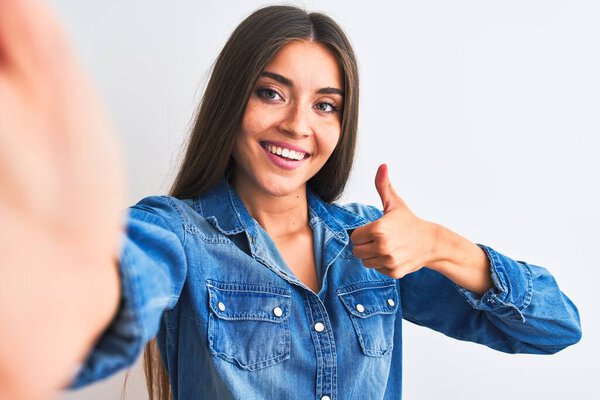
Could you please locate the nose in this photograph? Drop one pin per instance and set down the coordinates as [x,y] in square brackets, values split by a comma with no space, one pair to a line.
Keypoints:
[296,121]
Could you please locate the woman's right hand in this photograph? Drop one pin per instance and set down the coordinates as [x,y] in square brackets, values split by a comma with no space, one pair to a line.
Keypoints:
[61,192]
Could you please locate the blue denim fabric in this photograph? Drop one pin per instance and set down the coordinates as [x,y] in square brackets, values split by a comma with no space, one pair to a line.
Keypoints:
[233,322]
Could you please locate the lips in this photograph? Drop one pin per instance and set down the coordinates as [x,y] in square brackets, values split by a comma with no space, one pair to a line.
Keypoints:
[284,157]
[283,146]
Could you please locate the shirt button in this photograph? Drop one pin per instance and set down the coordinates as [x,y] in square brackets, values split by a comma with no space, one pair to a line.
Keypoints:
[391,302]
[221,306]
[319,327]
[278,312]
[360,308]
[325,398]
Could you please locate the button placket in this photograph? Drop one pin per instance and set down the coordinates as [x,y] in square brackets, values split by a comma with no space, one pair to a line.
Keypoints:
[324,347]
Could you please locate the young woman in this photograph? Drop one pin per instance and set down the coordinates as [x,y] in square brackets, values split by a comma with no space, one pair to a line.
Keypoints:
[257,285]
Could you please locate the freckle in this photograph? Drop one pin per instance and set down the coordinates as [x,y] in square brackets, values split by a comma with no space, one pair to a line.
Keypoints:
[298,196]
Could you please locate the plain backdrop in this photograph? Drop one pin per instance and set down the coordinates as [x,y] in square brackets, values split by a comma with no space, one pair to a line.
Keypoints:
[487,113]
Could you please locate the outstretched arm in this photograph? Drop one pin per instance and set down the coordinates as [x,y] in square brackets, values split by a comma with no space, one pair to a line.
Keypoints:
[61,191]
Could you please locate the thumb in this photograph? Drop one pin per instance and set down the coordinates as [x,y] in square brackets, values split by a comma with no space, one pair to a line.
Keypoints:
[389,198]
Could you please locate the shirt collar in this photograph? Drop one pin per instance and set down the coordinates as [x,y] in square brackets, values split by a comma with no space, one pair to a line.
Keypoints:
[224,209]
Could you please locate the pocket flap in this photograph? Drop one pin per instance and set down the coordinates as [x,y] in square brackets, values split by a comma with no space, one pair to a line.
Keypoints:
[365,299]
[233,301]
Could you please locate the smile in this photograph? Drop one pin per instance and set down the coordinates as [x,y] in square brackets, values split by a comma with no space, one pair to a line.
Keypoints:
[284,151]
[288,157]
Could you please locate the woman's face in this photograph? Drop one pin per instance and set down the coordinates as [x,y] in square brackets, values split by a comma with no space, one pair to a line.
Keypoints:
[292,121]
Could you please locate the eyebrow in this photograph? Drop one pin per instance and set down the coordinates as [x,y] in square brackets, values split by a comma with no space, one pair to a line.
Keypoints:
[287,82]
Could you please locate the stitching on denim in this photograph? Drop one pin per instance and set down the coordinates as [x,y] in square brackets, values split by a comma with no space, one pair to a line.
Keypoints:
[251,291]
[347,254]
[364,285]
[327,227]
[362,220]
[499,267]
[215,222]
[182,217]
[324,318]
[198,205]
[334,233]
[373,310]
[264,259]
[214,239]
[333,352]
[374,352]
[192,229]
[529,289]
[317,344]
[232,204]
[270,360]
[283,300]
[522,319]
[385,284]
[249,288]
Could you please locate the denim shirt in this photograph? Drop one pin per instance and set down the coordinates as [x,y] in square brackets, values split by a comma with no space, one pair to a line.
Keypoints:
[233,321]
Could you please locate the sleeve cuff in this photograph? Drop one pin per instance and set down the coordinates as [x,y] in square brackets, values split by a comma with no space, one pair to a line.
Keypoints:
[512,287]
[122,342]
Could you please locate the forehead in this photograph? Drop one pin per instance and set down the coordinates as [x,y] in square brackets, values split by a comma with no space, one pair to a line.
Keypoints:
[308,64]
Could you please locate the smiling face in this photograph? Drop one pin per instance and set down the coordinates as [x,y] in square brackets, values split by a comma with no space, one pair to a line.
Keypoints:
[292,121]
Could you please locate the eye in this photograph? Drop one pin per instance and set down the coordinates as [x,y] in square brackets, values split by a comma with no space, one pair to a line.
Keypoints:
[267,93]
[326,107]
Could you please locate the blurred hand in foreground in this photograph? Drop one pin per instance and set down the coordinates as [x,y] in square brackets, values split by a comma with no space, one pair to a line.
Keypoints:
[61,192]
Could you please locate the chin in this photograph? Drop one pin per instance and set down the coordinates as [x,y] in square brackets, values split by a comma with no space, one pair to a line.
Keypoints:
[280,186]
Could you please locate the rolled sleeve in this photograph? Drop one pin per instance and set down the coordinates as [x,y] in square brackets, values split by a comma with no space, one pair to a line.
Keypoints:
[152,269]
[512,287]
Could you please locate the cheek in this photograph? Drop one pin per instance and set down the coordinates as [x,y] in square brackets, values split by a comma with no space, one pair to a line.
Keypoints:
[255,119]
[330,140]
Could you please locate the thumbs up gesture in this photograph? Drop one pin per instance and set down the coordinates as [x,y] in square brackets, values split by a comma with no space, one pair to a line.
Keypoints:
[399,242]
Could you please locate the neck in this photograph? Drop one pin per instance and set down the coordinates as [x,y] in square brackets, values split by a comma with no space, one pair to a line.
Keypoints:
[278,215]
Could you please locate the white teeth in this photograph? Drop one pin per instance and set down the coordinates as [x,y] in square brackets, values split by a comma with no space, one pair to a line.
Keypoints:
[287,153]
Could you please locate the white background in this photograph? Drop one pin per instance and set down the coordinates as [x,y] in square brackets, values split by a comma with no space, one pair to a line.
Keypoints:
[487,112]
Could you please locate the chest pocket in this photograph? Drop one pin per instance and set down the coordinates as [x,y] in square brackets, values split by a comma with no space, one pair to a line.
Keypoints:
[248,323]
[372,307]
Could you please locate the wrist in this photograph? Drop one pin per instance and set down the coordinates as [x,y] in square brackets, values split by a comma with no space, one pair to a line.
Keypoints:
[441,254]
[461,261]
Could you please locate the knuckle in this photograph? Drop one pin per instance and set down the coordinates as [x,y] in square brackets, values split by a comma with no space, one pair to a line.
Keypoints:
[382,246]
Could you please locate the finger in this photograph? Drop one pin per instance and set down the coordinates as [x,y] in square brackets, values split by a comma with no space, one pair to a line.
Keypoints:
[364,251]
[362,235]
[389,198]
[375,262]
[376,230]
[395,273]
[30,37]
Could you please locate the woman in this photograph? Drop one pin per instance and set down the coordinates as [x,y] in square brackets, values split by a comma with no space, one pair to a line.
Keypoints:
[250,274]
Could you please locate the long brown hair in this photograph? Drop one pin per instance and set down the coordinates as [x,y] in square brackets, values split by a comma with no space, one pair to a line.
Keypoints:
[208,157]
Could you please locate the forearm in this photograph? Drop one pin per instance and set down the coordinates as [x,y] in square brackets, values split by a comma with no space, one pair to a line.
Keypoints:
[55,301]
[461,261]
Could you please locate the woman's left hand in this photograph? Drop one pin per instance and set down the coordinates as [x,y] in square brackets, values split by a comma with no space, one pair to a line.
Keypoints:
[399,242]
